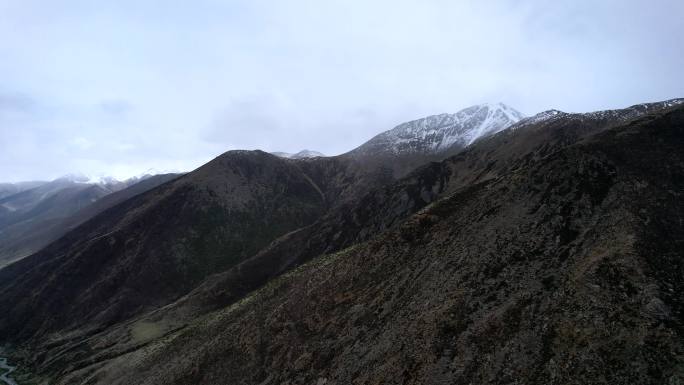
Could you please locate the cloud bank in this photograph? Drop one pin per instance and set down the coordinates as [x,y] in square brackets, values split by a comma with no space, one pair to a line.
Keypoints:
[121,88]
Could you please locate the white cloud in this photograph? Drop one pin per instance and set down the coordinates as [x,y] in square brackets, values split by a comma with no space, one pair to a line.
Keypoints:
[172,84]
[82,143]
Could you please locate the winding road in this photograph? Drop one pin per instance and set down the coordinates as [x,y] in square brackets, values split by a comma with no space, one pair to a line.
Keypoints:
[5,377]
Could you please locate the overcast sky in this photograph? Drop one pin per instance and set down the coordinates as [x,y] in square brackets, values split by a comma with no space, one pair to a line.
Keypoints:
[123,86]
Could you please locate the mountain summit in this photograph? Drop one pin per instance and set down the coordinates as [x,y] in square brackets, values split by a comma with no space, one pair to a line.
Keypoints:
[441,133]
[433,138]
[300,155]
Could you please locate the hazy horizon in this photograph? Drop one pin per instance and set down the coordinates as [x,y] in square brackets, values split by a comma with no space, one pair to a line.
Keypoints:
[117,89]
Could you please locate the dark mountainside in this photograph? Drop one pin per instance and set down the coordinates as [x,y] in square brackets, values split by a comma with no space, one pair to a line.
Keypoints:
[546,254]
[61,212]
[157,246]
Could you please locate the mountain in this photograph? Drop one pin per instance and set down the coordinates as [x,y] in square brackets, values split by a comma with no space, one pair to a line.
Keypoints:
[441,133]
[433,138]
[7,189]
[157,246]
[300,155]
[49,200]
[504,262]
[51,213]
[561,264]
[605,116]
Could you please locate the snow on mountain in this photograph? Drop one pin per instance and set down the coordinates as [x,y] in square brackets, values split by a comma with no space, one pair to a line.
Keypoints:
[307,154]
[540,117]
[88,179]
[300,155]
[282,154]
[110,181]
[619,115]
[439,133]
[150,172]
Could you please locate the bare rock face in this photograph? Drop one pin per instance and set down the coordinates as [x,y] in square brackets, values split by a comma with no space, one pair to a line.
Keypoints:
[546,254]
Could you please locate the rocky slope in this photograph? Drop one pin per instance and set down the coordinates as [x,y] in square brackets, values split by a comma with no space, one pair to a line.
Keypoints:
[157,246]
[562,267]
[546,254]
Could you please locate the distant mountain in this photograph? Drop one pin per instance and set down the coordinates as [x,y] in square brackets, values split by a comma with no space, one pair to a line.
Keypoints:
[433,138]
[52,199]
[605,116]
[300,155]
[37,217]
[441,133]
[41,212]
[7,189]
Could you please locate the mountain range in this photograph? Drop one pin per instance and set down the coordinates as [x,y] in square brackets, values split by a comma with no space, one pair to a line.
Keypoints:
[33,214]
[476,247]
[299,155]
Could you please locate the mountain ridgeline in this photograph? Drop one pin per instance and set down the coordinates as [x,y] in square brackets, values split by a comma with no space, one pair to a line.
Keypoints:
[433,138]
[479,247]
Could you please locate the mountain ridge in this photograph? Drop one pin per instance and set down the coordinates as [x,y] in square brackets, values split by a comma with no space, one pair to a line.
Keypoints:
[438,133]
[465,258]
[303,154]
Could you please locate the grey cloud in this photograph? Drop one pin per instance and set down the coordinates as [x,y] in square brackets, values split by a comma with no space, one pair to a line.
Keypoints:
[128,85]
[116,107]
[248,122]
[14,102]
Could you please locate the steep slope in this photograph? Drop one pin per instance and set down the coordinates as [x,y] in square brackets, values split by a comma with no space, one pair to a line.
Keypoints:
[156,246]
[34,232]
[567,268]
[535,239]
[358,219]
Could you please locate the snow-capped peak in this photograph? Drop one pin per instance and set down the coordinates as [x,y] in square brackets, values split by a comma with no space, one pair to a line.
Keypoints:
[150,172]
[300,155]
[110,181]
[307,154]
[541,117]
[88,179]
[618,115]
[439,133]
